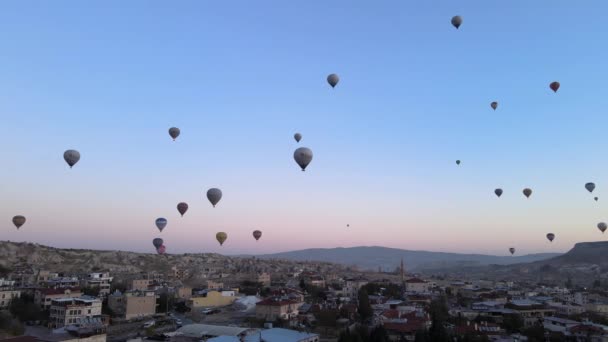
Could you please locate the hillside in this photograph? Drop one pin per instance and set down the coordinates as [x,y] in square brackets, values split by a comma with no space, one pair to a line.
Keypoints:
[584,263]
[29,256]
[389,258]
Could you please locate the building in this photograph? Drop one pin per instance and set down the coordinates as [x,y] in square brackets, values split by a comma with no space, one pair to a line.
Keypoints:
[532,312]
[63,282]
[43,297]
[211,298]
[317,281]
[270,335]
[184,292]
[7,295]
[566,309]
[352,286]
[597,307]
[68,311]
[214,285]
[264,279]
[133,304]
[140,284]
[43,276]
[274,308]
[102,281]
[205,331]
[417,285]
[556,324]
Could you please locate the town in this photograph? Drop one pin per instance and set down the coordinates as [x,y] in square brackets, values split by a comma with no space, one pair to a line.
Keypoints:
[249,299]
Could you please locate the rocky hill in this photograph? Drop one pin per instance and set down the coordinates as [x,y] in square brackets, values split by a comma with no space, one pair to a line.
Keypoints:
[389,258]
[584,263]
[21,255]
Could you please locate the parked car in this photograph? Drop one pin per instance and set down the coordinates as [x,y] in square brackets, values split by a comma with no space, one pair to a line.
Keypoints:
[149,324]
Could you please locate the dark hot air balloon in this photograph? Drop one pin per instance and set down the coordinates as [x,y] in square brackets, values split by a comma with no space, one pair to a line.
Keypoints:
[494,105]
[527,192]
[298,137]
[214,195]
[157,242]
[174,132]
[590,187]
[554,86]
[333,80]
[182,207]
[19,221]
[602,226]
[458,162]
[457,21]
[71,157]
[550,237]
[303,156]
[257,234]
[512,250]
[161,223]
[498,192]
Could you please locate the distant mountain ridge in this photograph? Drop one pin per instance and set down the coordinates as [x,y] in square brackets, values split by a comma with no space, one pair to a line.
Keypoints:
[373,257]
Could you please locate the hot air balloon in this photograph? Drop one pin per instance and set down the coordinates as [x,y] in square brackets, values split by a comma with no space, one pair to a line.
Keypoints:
[602,226]
[527,192]
[221,237]
[494,105]
[174,132]
[303,156]
[161,250]
[157,242]
[161,223]
[182,207]
[498,192]
[550,237]
[590,187]
[458,162]
[298,137]
[214,195]
[257,234]
[19,221]
[554,86]
[512,250]
[457,21]
[333,80]
[71,157]
[596,198]
[348,226]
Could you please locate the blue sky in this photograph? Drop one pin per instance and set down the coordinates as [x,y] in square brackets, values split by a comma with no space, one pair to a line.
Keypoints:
[239,78]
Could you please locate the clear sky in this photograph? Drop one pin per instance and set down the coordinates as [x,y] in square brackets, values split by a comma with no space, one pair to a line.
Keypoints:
[239,78]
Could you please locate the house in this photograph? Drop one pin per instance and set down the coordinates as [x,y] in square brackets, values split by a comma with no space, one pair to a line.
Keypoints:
[43,297]
[99,280]
[133,304]
[566,308]
[63,282]
[211,298]
[597,307]
[532,312]
[184,292]
[7,295]
[417,285]
[352,286]
[66,311]
[140,284]
[264,279]
[43,276]
[556,324]
[214,285]
[274,308]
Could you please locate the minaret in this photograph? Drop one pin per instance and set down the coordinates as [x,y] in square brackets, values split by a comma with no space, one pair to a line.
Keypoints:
[402,274]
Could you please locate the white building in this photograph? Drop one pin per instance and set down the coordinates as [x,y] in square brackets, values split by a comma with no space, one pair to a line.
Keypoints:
[67,311]
[417,285]
[7,295]
[102,281]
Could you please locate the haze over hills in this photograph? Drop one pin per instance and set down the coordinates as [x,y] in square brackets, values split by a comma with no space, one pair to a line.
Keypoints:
[389,258]
[584,263]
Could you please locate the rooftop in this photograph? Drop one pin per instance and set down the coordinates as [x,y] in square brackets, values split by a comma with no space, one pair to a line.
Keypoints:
[200,330]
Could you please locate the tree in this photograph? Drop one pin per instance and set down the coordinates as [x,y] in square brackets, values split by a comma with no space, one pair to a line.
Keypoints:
[364,308]
[535,333]
[569,284]
[91,291]
[24,309]
[379,334]
[513,323]
[302,284]
[165,303]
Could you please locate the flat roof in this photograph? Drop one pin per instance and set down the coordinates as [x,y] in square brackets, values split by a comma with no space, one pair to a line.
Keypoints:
[199,330]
